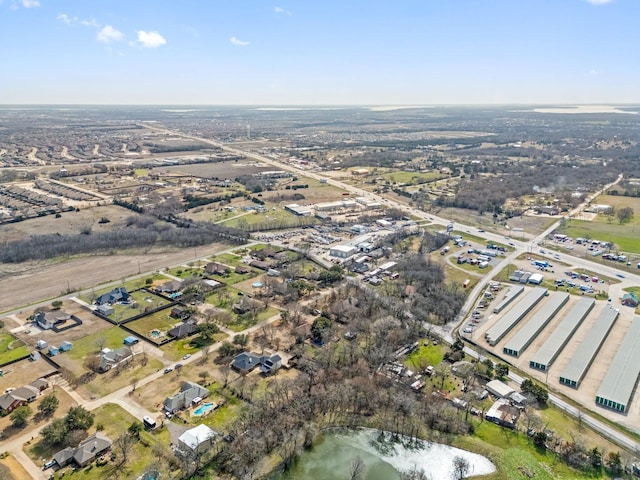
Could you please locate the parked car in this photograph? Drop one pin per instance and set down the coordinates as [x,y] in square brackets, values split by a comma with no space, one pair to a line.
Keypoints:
[48,464]
[187,356]
[168,370]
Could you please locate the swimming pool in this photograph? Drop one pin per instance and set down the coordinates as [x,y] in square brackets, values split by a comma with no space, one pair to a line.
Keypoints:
[204,408]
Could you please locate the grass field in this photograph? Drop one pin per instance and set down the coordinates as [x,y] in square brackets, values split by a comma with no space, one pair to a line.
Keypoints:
[160,321]
[626,237]
[11,348]
[411,178]
[113,338]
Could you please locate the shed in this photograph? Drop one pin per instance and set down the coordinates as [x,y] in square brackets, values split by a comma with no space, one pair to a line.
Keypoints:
[105,310]
[66,346]
[41,345]
[131,340]
[499,389]
[33,356]
[53,351]
[536,278]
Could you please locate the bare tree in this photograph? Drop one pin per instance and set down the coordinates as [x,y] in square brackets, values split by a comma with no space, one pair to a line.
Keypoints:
[358,469]
[461,468]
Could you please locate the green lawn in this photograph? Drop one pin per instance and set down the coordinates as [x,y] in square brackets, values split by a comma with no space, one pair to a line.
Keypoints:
[228,259]
[411,178]
[269,216]
[105,383]
[242,322]
[160,320]
[113,338]
[425,355]
[11,348]
[625,236]
[177,349]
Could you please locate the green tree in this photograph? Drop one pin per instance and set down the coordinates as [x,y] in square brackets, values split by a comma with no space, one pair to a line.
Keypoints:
[134,429]
[55,432]
[614,463]
[56,304]
[49,404]
[20,416]
[226,349]
[208,330]
[320,327]
[502,370]
[624,214]
[79,418]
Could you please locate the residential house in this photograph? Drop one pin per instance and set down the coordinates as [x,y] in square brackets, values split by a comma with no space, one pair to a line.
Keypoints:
[246,304]
[260,265]
[197,439]
[109,358]
[503,413]
[117,295]
[630,300]
[215,268]
[190,394]
[90,448]
[172,286]
[18,397]
[41,384]
[183,330]
[47,320]
[247,361]
[179,312]
[242,269]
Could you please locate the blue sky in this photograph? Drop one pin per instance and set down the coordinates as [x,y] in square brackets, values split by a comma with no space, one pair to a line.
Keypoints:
[409,52]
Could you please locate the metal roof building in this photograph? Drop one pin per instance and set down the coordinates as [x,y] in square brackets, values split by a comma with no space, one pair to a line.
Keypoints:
[575,371]
[546,355]
[510,295]
[530,330]
[620,381]
[513,316]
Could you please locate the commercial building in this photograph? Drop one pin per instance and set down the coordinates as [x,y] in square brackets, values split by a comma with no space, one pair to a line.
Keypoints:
[342,251]
[513,316]
[549,351]
[573,373]
[298,209]
[530,330]
[620,381]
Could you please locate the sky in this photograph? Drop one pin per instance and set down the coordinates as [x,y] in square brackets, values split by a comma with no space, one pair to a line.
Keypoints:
[319,52]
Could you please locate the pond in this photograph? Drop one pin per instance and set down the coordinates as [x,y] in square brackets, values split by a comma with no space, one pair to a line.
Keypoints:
[334,454]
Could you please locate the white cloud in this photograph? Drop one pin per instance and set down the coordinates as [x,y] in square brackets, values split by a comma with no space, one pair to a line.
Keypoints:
[109,34]
[90,23]
[30,3]
[151,39]
[66,18]
[599,2]
[282,11]
[238,43]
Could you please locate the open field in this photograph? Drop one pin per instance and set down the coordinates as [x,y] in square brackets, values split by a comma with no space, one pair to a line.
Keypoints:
[24,284]
[219,170]
[70,223]
[625,236]
[410,178]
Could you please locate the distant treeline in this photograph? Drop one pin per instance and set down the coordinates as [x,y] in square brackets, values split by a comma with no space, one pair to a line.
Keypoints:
[41,247]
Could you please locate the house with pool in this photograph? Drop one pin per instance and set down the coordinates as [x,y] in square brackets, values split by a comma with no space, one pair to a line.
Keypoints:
[190,395]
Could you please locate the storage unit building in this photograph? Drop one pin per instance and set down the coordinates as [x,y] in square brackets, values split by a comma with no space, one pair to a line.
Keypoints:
[511,294]
[513,316]
[546,355]
[620,381]
[530,330]
[573,373]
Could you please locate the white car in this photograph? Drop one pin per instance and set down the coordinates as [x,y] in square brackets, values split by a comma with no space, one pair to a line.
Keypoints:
[468,330]
[187,356]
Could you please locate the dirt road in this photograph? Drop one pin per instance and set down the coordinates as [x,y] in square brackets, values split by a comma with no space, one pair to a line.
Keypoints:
[46,281]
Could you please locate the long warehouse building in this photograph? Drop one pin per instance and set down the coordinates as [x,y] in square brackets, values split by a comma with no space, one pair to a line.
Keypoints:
[550,350]
[513,316]
[509,297]
[577,368]
[618,385]
[530,330]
